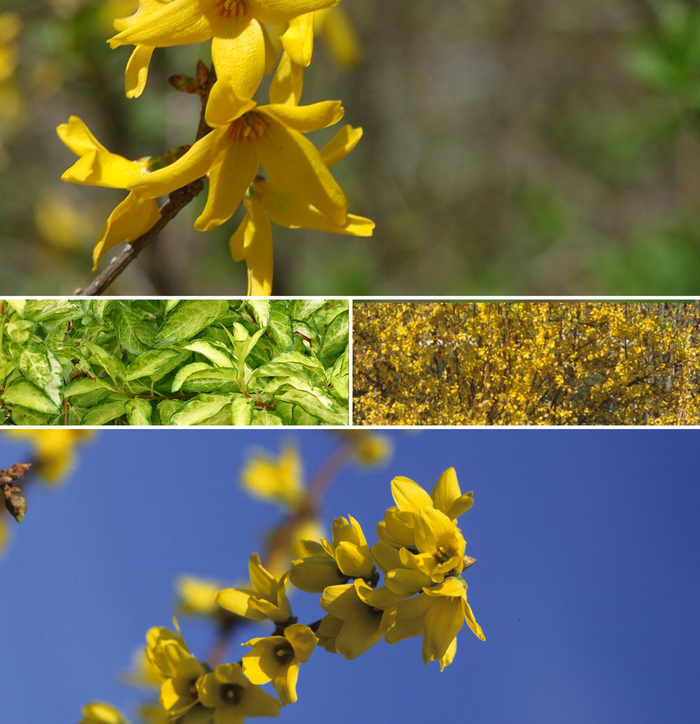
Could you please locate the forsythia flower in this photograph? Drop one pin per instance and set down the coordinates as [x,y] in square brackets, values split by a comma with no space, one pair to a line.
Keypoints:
[233,697]
[196,596]
[277,659]
[168,655]
[98,712]
[277,479]
[238,41]
[265,202]
[267,599]
[438,614]
[270,135]
[349,549]
[98,167]
[359,616]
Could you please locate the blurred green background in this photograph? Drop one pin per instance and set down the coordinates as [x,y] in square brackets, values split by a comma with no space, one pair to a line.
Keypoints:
[529,147]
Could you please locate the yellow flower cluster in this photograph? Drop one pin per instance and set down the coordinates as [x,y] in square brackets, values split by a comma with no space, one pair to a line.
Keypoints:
[239,135]
[421,554]
[11,103]
[527,363]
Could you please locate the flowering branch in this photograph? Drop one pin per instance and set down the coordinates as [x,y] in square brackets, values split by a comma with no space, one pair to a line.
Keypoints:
[177,200]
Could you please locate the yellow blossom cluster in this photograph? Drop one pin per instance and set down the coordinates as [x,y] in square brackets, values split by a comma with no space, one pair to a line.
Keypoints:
[554,363]
[237,135]
[421,555]
[11,103]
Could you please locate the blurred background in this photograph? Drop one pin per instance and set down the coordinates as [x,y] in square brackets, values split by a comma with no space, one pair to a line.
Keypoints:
[511,147]
[586,586]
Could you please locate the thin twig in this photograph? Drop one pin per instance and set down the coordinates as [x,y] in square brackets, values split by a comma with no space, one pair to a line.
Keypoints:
[177,200]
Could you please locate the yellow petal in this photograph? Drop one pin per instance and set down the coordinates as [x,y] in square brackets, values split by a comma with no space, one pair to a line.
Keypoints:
[192,165]
[282,11]
[298,39]
[259,253]
[287,82]
[306,118]
[443,622]
[77,136]
[409,496]
[174,23]
[293,163]
[133,217]
[137,71]
[239,58]
[228,181]
[341,38]
[340,145]
[290,210]
[238,602]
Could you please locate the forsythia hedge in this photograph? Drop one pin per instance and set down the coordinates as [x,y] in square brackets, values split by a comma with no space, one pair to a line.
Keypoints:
[555,363]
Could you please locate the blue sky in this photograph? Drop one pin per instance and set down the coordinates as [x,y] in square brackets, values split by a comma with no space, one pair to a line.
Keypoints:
[586,583]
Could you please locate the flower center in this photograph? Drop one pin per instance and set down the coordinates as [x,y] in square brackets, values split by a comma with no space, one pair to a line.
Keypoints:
[443,554]
[230,7]
[284,653]
[231,693]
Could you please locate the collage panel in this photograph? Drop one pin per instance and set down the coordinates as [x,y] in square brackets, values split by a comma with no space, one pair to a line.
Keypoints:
[548,576]
[526,363]
[94,362]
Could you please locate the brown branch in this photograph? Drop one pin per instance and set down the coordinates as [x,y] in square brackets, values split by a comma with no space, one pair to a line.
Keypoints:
[177,200]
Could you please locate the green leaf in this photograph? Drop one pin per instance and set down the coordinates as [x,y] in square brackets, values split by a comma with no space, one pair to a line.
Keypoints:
[212,380]
[243,343]
[315,402]
[336,339]
[242,411]
[28,395]
[198,409]
[126,323]
[170,305]
[189,318]
[262,309]
[84,384]
[97,308]
[281,328]
[184,372]
[111,364]
[19,330]
[302,309]
[340,375]
[23,416]
[286,362]
[165,410]
[216,352]
[18,305]
[266,417]
[138,411]
[39,366]
[149,363]
[105,412]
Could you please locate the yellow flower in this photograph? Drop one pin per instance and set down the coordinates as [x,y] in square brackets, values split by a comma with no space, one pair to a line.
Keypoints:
[349,549]
[98,712]
[196,596]
[277,479]
[438,614]
[265,201]
[238,41]
[233,697]
[98,167]
[397,528]
[277,659]
[316,569]
[169,657]
[366,614]
[267,598]
[270,135]
[54,451]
